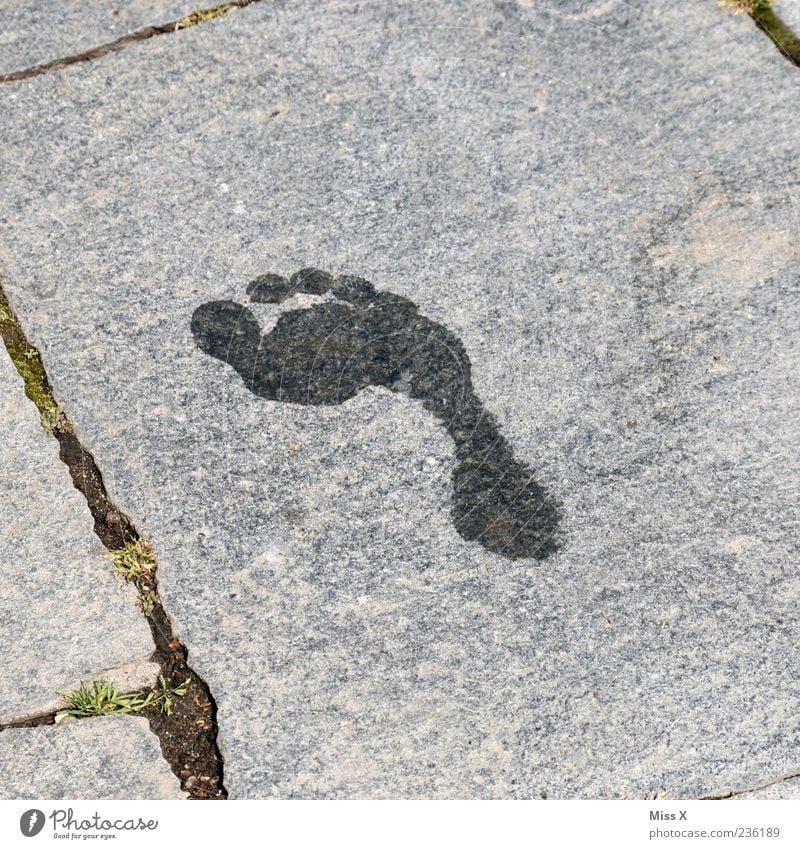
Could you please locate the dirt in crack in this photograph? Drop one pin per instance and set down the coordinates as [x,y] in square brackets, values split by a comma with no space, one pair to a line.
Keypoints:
[188,735]
[326,354]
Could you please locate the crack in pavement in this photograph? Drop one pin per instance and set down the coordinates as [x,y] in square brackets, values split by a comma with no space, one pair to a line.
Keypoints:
[196,18]
[731,794]
[188,736]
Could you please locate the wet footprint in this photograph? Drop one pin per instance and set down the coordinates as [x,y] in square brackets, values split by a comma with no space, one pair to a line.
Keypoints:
[362,337]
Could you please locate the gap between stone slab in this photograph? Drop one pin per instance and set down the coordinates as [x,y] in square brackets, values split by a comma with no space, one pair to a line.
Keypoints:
[188,737]
[732,794]
[770,22]
[196,18]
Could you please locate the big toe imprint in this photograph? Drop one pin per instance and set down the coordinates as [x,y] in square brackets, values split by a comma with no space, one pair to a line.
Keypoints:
[362,337]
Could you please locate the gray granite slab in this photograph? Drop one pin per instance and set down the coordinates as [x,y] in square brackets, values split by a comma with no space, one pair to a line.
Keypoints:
[598,201]
[63,613]
[110,757]
[32,33]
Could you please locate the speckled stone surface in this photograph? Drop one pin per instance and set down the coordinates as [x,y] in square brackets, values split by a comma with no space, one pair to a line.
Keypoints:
[33,33]
[598,201]
[110,757]
[63,613]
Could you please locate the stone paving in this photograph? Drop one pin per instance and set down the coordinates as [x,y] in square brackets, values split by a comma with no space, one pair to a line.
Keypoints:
[579,226]
[108,757]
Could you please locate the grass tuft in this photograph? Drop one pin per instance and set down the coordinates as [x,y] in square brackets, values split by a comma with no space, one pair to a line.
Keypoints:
[101,698]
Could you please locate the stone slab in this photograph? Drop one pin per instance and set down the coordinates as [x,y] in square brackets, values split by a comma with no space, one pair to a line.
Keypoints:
[34,33]
[110,757]
[597,200]
[63,613]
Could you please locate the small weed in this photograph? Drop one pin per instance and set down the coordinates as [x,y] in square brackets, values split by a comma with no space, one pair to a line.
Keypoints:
[101,698]
[147,603]
[135,561]
[163,696]
[53,419]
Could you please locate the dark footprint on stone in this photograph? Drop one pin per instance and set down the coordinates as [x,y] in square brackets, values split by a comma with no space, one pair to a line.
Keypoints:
[329,352]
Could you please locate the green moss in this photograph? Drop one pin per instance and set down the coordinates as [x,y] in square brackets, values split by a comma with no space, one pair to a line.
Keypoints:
[201,16]
[28,363]
[785,39]
[768,20]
